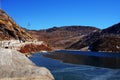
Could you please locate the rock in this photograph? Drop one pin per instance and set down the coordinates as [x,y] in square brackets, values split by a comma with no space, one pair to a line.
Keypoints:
[16,66]
[32,48]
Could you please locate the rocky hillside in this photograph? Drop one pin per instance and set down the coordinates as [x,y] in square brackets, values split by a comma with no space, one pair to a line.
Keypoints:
[115,30]
[10,30]
[62,37]
[85,42]
[11,34]
[109,40]
[107,44]
[105,40]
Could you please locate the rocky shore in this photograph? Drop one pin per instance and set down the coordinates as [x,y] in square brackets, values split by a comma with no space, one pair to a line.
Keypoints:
[16,66]
[27,48]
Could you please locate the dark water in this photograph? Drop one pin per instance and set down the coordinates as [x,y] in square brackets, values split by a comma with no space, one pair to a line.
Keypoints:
[78,65]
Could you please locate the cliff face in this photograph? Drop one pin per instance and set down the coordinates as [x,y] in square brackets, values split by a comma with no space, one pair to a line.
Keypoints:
[105,40]
[10,30]
[62,37]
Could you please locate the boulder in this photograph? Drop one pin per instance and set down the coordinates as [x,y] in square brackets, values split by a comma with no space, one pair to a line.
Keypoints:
[16,66]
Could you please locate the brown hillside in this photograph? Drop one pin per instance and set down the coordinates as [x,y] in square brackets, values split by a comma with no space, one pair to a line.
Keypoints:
[107,40]
[107,44]
[10,30]
[62,37]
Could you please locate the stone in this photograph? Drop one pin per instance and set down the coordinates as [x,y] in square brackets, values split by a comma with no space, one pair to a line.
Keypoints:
[16,66]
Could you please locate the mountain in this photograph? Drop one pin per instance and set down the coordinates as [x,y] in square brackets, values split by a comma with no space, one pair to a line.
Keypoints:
[86,41]
[115,30]
[107,44]
[105,40]
[109,40]
[10,30]
[62,37]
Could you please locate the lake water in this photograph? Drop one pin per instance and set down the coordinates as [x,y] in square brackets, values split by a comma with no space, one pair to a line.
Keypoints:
[78,65]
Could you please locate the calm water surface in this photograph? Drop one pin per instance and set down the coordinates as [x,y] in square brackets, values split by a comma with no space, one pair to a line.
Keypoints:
[78,65]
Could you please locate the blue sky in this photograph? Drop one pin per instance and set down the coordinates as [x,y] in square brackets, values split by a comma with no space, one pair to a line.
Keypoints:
[43,14]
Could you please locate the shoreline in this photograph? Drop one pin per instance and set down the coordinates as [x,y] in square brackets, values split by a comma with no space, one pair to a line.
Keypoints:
[90,53]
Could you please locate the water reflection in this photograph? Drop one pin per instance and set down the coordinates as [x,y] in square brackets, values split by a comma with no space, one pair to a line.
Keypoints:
[85,58]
